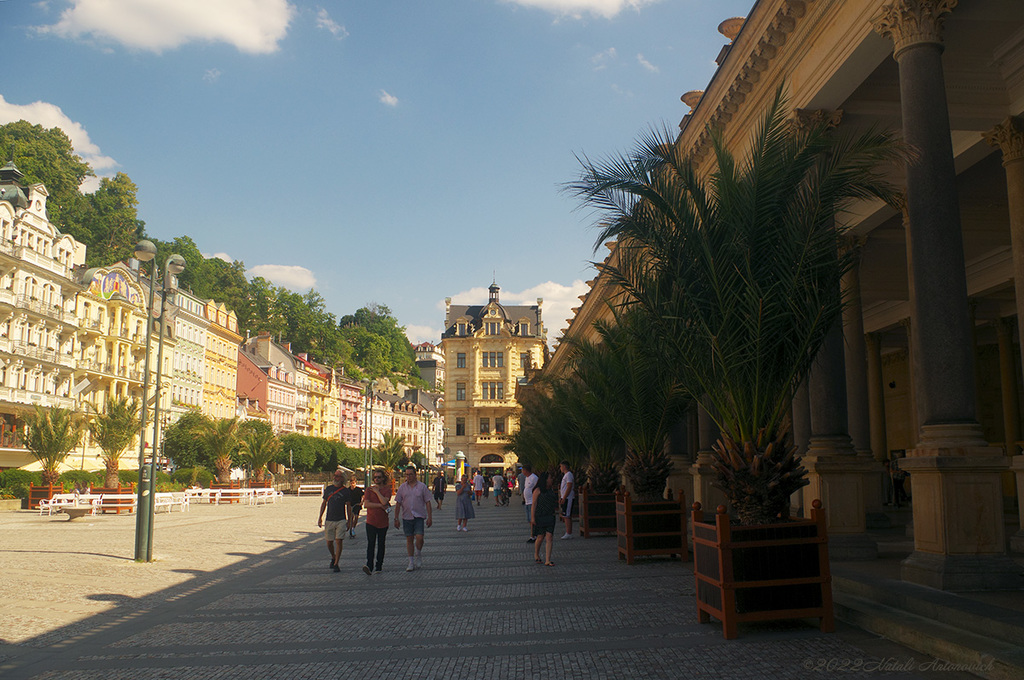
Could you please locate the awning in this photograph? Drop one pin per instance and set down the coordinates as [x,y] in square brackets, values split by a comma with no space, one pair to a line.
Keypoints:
[451,462]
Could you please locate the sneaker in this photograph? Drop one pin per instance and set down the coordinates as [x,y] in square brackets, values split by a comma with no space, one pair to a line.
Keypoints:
[352,534]
[417,561]
[335,568]
[366,570]
[410,567]
[377,570]
[531,539]
[566,536]
[330,565]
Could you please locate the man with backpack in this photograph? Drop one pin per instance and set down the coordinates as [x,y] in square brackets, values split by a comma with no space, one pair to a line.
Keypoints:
[338,506]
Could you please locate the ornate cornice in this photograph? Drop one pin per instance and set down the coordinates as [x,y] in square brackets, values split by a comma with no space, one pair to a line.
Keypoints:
[1009,137]
[758,60]
[912,22]
[805,119]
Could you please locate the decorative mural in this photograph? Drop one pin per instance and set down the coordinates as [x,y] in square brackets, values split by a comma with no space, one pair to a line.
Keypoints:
[107,284]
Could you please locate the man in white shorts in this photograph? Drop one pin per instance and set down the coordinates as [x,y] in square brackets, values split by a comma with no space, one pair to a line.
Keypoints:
[336,503]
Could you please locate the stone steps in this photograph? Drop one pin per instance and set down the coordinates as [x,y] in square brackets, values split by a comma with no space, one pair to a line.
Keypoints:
[987,640]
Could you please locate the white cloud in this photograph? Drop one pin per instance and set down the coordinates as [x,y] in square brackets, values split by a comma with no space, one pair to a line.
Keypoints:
[559,299]
[252,26]
[51,116]
[388,99]
[211,75]
[290,276]
[578,8]
[219,256]
[646,64]
[418,334]
[324,21]
[601,59]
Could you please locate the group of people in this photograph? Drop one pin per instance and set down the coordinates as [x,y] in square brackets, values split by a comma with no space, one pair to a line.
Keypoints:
[545,497]
[343,501]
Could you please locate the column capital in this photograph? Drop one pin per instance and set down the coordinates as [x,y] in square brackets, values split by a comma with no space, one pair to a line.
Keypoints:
[912,22]
[1008,136]
[806,119]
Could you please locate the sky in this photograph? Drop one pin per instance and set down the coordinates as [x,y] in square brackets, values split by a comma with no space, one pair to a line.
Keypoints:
[395,152]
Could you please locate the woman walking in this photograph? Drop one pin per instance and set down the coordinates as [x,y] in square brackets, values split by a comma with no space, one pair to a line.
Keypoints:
[463,504]
[377,501]
[545,505]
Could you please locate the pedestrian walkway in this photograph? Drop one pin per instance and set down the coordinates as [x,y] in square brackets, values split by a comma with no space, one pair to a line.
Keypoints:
[244,592]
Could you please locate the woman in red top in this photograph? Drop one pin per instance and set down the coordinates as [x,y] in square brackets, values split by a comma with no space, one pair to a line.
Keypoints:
[377,501]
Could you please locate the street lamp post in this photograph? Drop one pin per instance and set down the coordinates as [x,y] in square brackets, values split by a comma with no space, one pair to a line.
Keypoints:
[175,264]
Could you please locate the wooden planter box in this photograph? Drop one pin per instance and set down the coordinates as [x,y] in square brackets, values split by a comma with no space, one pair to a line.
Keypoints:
[116,506]
[228,485]
[597,513]
[41,493]
[764,572]
[645,528]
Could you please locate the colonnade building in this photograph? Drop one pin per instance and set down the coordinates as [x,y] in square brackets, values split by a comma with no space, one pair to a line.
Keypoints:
[928,369]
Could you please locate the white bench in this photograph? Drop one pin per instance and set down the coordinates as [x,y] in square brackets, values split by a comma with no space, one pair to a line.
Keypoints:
[318,489]
[171,500]
[117,502]
[59,500]
[266,496]
[233,495]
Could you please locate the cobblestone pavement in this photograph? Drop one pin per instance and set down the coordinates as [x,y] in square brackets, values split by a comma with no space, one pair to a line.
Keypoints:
[245,592]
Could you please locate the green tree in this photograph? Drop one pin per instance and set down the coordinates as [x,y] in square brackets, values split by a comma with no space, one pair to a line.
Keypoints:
[221,437]
[184,443]
[51,435]
[112,222]
[737,273]
[390,453]
[46,155]
[114,430]
[259,445]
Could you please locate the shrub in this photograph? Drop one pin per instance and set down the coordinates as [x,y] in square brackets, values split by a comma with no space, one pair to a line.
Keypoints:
[192,476]
[70,478]
[15,482]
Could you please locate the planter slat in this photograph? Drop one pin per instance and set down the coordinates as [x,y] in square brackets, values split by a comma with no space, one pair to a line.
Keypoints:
[597,513]
[650,528]
[762,573]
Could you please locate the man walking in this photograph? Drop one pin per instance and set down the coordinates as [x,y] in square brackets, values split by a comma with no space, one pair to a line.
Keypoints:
[566,495]
[478,486]
[413,512]
[336,503]
[498,484]
[529,483]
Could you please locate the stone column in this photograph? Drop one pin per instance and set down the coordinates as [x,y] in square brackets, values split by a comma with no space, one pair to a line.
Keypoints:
[703,474]
[876,398]
[801,410]
[855,359]
[1009,137]
[1008,385]
[959,541]
[835,472]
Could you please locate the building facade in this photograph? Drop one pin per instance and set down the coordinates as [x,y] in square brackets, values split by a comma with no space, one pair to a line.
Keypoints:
[222,340]
[487,350]
[38,327]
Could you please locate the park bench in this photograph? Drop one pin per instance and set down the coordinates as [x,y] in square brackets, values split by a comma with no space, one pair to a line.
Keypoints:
[59,500]
[318,489]
[116,502]
[233,495]
[171,500]
[264,495]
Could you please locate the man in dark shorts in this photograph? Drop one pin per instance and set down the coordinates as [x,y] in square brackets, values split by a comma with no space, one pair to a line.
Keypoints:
[440,484]
[413,512]
[337,506]
[355,501]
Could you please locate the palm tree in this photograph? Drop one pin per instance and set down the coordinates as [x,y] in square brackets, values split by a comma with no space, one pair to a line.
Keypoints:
[390,453]
[738,274]
[114,430]
[259,446]
[222,439]
[626,386]
[50,436]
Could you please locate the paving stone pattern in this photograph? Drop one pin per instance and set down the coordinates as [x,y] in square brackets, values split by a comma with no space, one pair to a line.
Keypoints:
[241,592]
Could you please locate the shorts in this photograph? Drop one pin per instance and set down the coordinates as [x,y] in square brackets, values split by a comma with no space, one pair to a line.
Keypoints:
[413,527]
[479,493]
[335,529]
[545,525]
[567,507]
[529,511]
[439,495]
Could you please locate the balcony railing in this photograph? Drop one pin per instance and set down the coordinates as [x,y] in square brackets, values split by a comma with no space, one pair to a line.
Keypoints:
[17,396]
[8,297]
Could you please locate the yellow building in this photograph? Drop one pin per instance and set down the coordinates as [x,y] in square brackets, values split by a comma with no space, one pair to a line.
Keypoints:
[487,349]
[220,381]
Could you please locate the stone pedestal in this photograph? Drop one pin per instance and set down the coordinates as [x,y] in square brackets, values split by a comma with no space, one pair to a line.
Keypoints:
[959,539]
[837,477]
[1017,540]
[703,474]
[681,477]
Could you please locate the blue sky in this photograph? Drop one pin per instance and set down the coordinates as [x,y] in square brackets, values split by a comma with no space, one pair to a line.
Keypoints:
[390,151]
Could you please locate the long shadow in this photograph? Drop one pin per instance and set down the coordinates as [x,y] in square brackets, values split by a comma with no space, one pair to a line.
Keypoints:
[59,648]
[68,552]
